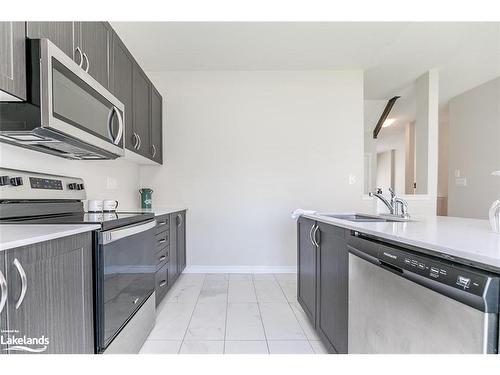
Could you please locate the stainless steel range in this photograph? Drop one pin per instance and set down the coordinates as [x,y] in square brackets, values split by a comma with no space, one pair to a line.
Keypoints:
[124,259]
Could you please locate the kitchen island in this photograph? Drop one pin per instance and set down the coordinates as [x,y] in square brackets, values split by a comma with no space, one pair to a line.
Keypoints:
[430,285]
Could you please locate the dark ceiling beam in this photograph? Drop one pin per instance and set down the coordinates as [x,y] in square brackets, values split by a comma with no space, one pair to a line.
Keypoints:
[382,118]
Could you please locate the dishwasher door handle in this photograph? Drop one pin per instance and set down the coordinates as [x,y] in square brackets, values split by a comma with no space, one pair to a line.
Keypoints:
[390,267]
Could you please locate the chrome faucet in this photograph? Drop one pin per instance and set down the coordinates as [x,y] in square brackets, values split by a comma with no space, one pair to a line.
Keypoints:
[396,206]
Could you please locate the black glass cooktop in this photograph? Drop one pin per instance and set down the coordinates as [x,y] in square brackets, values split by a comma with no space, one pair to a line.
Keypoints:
[107,220]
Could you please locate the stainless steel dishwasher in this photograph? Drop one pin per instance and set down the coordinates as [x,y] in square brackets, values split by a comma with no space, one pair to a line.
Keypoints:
[405,302]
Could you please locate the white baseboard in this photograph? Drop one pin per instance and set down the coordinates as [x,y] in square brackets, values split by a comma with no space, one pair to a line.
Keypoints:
[240,269]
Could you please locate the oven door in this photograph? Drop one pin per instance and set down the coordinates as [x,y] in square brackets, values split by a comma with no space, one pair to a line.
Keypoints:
[75,104]
[124,277]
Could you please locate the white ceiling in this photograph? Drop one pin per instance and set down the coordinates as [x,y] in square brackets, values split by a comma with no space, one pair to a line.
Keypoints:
[392,55]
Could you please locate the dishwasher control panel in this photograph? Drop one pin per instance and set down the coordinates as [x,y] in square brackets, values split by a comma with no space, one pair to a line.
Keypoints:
[451,275]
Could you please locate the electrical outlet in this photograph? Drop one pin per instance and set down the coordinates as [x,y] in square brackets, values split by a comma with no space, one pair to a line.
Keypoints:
[352,179]
[111,183]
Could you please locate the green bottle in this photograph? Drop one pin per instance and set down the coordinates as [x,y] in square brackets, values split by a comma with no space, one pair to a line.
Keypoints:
[146,200]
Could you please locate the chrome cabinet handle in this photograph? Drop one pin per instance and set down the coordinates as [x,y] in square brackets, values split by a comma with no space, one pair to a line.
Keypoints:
[162,223]
[3,290]
[163,282]
[154,150]
[136,300]
[24,282]
[81,56]
[310,234]
[314,236]
[162,258]
[162,240]
[140,142]
[136,138]
[88,63]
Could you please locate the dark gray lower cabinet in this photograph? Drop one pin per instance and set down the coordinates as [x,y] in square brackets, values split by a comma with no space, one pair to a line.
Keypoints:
[173,269]
[12,60]
[171,227]
[322,280]
[332,294]
[181,241]
[50,294]
[306,267]
[3,301]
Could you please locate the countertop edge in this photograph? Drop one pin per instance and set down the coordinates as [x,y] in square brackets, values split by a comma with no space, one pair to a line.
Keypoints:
[422,247]
[64,232]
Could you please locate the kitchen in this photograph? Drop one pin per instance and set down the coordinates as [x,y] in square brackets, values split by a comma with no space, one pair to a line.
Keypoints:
[229,193]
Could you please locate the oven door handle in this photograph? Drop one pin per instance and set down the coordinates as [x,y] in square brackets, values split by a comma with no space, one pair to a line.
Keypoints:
[118,234]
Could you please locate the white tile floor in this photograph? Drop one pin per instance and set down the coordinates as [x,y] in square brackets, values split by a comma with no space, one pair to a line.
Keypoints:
[232,314]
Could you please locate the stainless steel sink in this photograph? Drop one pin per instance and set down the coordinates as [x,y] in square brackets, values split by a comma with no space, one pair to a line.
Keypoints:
[366,218]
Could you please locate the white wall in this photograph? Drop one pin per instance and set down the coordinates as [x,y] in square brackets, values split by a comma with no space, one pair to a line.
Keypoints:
[94,173]
[474,150]
[243,149]
[394,139]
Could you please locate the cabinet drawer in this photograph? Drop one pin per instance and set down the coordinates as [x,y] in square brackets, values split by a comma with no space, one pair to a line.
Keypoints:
[162,223]
[161,279]
[161,240]
[162,257]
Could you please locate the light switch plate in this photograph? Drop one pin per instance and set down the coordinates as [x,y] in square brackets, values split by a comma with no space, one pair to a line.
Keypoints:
[461,181]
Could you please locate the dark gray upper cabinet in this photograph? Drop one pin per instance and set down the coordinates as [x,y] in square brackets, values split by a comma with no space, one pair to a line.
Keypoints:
[156,126]
[12,60]
[60,33]
[306,267]
[121,85]
[94,39]
[142,110]
[333,281]
[58,298]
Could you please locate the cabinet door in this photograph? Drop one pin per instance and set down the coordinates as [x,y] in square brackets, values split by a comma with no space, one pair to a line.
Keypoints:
[333,267]
[122,65]
[142,110]
[94,40]
[181,241]
[306,268]
[156,126]
[3,310]
[173,267]
[58,300]
[12,60]
[59,33]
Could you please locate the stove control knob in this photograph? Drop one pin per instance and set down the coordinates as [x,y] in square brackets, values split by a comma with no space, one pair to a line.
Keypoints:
[16,181]
[79,187]
[4,180]
[72,186]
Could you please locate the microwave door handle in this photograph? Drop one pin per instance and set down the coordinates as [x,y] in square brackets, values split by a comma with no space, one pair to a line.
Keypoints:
[110,124]
[120,126]
[118,137]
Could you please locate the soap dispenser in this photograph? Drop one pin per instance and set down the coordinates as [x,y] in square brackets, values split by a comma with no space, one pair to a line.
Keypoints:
[495,211]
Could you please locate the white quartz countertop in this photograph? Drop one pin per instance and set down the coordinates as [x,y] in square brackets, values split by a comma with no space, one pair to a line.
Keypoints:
[16,235]
[158,211]
[468,241]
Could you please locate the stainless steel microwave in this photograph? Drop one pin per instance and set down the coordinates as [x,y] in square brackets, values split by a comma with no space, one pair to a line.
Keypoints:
[67,112]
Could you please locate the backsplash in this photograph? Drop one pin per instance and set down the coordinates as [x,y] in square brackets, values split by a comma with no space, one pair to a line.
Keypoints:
[104,179]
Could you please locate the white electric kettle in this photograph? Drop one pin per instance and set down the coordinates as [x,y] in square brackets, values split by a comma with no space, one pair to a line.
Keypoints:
[495,212]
